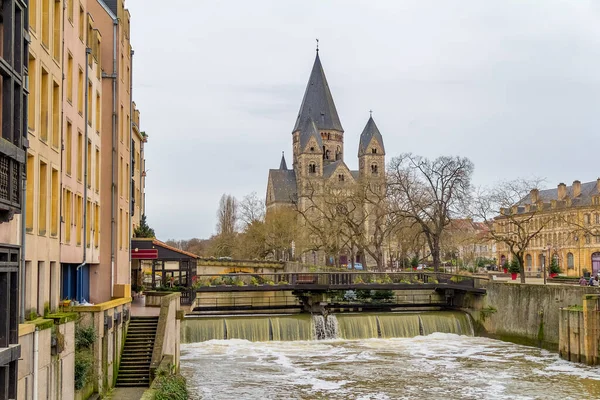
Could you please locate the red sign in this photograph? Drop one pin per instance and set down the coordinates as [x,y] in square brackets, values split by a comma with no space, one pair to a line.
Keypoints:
[144,254]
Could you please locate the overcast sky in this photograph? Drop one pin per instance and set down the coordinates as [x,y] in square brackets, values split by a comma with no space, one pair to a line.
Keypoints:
[513,85]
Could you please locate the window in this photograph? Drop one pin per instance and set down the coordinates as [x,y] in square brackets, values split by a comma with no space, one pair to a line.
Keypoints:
[373,150]
[374,169]
[68,211]
[327,154]
[43,199]
[312,149]
[88,221]
[81,22]
[45,109]
[597,219]
[56,48]
[570,261]
[127,179]
[597,238]
[80,157]
[80,92]
[587,239]
[70,8]
[97,170]
[32,94]
[97,226]
[89,103]
[30,193]
[121,126]
[33,4]
[121,177]
[120,228]
[312,168]
[79,219]
[69,148]
[54,203]
[89,164]
[70,78]
[97,112]
[46,23]
[586,219]
[126,230]
[341,177]
[528,261]
[55,115]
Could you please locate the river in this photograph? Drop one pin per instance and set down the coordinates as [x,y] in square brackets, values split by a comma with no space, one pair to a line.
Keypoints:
[436,366]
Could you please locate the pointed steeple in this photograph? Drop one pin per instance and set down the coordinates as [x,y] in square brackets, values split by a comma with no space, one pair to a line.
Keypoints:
[371,131]
[309,130]
[318,102]
[282,164]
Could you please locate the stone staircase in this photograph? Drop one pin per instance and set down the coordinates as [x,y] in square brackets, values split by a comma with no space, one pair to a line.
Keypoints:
[134,370]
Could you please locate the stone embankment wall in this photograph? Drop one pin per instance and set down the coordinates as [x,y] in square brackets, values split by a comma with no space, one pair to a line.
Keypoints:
[580,331]
[526,314]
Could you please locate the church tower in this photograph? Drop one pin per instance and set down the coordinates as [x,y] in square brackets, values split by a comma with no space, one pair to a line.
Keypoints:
[371,153]
[318,105]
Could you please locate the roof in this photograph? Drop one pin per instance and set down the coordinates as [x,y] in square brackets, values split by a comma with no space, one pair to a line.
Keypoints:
[318,102]
[165,251]
[588,190]
[307,131]
[283,164]
[355,174]
[371,131]
[330,168]
[284,185]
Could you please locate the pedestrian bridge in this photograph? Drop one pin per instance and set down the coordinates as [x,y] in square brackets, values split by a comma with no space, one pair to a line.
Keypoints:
[238,292]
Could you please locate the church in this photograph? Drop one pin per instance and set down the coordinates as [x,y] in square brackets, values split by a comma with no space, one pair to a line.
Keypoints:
[318,149]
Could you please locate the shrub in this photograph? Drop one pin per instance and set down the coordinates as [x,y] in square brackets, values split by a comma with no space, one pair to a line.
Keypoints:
[254,281]
[238,281]
[514,267]
[170,387]
[84,362]
[554,268]
[382,295]
[363,294]
[216,281]
[85,336]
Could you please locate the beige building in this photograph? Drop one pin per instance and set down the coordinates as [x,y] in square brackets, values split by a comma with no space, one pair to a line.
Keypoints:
[42,217]
[113,271]
[138,162]
[568,220]
[81,172]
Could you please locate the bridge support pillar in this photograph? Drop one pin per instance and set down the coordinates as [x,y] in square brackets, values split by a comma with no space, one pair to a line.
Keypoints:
[314,303]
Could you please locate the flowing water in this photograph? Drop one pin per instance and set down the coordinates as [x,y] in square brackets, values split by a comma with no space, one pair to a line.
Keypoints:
[436,366]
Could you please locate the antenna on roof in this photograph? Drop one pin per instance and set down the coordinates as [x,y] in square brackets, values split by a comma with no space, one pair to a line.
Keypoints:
[317,45]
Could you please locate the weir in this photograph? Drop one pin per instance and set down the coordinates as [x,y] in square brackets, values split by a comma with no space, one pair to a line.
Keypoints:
[319,327]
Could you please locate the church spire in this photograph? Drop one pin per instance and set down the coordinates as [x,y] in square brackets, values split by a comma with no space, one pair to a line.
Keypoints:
[318,102]
[283,164]
[368,134]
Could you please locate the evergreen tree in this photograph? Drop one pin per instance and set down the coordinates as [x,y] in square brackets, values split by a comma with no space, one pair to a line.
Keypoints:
[144,231]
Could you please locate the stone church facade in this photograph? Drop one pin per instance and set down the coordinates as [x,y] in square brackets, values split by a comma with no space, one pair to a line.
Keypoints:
[318,155]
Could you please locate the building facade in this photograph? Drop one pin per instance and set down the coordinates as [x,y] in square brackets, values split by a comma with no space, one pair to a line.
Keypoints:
[568,220]
[318,157]
[13,158]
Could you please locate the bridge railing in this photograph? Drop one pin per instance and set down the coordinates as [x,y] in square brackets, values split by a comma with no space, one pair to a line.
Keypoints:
[335,279]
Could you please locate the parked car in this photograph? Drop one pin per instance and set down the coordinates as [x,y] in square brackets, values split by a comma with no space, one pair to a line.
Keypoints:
[357,266]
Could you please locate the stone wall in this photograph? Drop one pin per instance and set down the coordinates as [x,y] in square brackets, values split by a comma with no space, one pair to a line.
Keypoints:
[580,331]
[527,314]
[53,377]
[168,334]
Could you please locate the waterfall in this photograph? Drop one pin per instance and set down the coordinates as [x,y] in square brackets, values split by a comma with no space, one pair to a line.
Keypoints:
[340,326]
[325,328]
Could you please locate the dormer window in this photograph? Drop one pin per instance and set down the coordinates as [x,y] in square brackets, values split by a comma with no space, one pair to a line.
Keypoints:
[373,150]
[312,168]
[374,170]
[341,178]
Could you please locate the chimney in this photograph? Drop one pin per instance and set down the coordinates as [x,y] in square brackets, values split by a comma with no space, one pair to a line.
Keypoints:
[576,188]
[535,196]
[562,191]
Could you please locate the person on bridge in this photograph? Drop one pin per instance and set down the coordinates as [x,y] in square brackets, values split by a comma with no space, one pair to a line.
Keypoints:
[583,281]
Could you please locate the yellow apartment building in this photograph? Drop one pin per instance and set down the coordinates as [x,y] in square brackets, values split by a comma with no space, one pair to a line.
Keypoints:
[42,254]
[112,277]
[81,172]
[569,219]
[138,170]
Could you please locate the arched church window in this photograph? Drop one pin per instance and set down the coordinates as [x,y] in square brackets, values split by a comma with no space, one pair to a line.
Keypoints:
[312,168]
[374,150]
[374,169]
[338,153]
[328,136]
[341,178]
[570,261]
[327,154]
[312,149]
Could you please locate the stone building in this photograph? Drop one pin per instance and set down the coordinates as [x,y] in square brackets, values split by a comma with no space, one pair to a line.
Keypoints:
[318,155]
[568,218]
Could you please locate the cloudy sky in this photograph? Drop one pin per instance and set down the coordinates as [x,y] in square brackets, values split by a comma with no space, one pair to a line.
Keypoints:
[513,85]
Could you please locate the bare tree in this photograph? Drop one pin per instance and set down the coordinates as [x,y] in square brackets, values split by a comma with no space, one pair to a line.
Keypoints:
[251,209]
[227,215]
[512,218]
[430,193]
